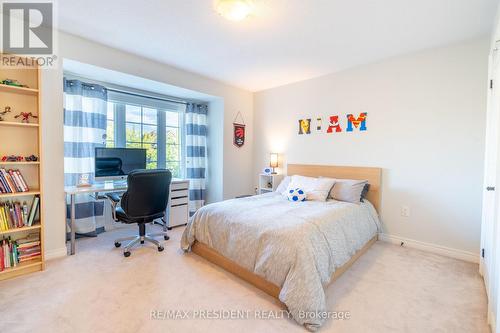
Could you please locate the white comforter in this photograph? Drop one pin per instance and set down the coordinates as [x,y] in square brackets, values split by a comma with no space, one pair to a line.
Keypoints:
[295,245]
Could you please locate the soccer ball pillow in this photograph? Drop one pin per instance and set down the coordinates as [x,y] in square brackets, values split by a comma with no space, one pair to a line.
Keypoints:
[296,195]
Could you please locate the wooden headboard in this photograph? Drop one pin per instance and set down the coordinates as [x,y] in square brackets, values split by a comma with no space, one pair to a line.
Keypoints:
[373,175]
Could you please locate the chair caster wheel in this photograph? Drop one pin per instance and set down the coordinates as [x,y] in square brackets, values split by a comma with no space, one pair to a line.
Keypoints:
[166,237]
[160,248]
[117,244]
[126,254]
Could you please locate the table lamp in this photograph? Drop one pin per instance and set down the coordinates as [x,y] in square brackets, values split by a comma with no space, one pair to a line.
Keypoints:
[274,162]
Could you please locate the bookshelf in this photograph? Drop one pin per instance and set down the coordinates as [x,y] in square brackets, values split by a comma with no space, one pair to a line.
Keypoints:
[20,194]
[21,90]
[22,139]
[18,163]
[24,229]
[17,124]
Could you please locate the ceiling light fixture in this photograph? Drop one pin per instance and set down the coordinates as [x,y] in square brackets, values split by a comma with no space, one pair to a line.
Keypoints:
[234,10]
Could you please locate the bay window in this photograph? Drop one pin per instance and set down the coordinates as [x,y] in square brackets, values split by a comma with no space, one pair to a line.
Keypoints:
[154,124]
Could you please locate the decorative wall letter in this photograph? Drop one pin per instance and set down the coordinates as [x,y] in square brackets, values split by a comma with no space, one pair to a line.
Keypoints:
[334,124]
[305,126]
[319,123]
[359,122]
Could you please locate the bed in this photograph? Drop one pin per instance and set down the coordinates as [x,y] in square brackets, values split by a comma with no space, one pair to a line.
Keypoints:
[290,250]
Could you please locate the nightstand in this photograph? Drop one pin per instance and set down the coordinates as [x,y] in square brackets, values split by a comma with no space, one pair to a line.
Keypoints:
[269,183]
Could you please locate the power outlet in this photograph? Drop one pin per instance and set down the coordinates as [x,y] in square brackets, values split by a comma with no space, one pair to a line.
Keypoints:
[405,211]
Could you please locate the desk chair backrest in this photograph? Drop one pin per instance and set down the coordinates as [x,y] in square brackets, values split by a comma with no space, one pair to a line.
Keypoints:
[147,194]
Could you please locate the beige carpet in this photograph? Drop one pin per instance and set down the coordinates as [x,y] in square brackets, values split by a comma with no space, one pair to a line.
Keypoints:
[389,289]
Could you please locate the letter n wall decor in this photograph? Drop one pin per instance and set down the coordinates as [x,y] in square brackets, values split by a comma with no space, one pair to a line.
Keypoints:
[305,126]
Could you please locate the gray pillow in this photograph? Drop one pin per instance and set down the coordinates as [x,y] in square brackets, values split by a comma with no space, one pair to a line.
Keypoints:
[365,192]
[349,190]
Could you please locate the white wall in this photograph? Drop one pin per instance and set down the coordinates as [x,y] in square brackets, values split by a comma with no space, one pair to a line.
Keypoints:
[237,163]
[426,123]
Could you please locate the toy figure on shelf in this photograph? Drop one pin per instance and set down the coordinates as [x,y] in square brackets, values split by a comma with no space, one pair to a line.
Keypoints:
[14,83]
[31,158]
[12,158]
[26,116]
[3,113]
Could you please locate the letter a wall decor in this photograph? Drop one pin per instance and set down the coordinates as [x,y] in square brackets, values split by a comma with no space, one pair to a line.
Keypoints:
[334,124]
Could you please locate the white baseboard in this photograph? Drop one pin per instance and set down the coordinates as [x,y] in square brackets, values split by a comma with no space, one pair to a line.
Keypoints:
[442,250]
[56,253]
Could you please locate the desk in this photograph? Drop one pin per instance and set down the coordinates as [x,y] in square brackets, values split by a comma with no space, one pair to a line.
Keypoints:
[104,187]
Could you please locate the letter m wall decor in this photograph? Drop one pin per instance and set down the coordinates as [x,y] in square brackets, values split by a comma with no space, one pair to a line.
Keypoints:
[359,122]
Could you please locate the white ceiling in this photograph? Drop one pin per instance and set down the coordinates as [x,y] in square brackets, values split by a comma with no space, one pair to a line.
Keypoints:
[283,42]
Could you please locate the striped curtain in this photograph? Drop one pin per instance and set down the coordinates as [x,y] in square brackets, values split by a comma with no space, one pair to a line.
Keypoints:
[196,154]
[85,107]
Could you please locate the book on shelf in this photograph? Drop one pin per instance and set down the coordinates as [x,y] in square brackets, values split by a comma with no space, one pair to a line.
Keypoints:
[28,245]
[14,252]
[14,214]
[12,181]
[34,210]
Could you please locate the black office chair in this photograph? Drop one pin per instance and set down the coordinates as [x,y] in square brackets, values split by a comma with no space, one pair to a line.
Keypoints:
[145,201]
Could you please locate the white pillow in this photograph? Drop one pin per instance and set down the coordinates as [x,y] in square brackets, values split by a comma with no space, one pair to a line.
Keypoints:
[316,189]
[283,185]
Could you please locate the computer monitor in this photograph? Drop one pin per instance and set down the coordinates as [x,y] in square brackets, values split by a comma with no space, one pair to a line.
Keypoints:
[117,163]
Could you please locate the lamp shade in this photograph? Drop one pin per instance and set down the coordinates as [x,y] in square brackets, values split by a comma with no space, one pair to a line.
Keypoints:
[274,160]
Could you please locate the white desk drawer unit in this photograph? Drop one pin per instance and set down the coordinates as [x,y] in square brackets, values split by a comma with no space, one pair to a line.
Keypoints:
[178,203]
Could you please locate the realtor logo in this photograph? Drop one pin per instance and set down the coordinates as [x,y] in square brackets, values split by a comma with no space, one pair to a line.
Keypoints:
[28,28]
